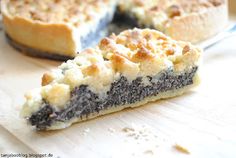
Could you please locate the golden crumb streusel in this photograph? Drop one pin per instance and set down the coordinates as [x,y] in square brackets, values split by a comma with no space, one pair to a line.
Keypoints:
[75,12]
[156,13]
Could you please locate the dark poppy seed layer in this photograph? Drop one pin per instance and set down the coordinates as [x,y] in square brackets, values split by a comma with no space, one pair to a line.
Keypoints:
[84,102]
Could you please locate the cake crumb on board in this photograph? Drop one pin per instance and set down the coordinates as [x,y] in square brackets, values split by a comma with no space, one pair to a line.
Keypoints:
[149,152]
[111,130]
[138,132]
[86,131]
[181,149]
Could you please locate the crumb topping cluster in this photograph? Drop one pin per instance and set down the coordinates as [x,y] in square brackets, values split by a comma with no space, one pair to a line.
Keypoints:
[156,13]
[75,12]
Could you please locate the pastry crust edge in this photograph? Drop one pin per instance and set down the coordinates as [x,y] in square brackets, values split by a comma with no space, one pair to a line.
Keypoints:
[197,27]
[46,37]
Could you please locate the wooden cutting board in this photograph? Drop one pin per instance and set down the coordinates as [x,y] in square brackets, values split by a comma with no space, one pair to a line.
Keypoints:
[203,121]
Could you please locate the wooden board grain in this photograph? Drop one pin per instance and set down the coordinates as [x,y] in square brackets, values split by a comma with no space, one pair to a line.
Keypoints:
[203,120]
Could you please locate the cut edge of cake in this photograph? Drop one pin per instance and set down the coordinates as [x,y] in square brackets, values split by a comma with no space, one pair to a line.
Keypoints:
[170,94]
[46,39]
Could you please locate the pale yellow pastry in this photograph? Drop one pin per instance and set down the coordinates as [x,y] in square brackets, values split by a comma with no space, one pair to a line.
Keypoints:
[186,20]
[55,27]
[126,70]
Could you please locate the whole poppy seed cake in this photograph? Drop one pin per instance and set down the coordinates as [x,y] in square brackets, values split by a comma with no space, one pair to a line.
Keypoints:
[126,70]
[59,29]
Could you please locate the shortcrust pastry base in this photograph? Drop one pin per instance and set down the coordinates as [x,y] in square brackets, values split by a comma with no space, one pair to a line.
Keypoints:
[35,52]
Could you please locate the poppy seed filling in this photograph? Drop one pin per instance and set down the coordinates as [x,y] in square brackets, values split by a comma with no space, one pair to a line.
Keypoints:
[94,35]
[84,102]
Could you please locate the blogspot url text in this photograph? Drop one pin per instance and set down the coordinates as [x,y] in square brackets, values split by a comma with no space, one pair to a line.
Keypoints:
[21,155]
